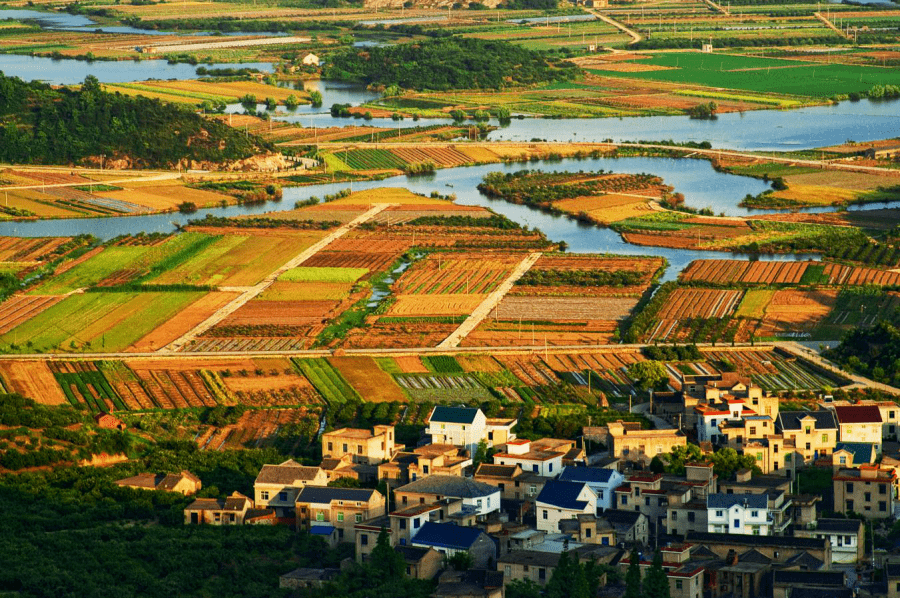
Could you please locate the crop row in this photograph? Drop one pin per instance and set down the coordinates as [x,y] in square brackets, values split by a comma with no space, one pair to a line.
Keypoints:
[327,380]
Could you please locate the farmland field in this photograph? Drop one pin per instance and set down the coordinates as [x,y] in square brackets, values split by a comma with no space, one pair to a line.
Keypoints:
[312,274]
[735,271]
[20,308]
[100,321]
[372,383]
[754,303]
[32,379]
[327,380]
[435,305]
[442,274]
[564,308]
[796,311]
[700,303]
[92,271]
[183,322]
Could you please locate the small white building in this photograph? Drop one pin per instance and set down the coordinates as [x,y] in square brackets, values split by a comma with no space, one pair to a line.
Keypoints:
[459,426]
[738,514]
[311,60]
[602,481]
[543,463]
[860,423]
[707,48]
[563,500]
[845,536]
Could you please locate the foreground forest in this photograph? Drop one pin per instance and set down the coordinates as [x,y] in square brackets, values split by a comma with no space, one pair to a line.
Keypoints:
[41,125]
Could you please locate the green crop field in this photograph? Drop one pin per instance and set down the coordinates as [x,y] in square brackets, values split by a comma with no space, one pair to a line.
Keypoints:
[792,77]
[302,274]
[99,321]
[327,380]
[92,271]
[371,159]
[442,364]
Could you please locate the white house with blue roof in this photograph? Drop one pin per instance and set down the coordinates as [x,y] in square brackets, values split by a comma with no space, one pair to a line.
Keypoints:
[738,514]
[449,539]
[601,480]
[563,500]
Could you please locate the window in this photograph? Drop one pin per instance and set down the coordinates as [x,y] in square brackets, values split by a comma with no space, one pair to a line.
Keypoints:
[479,503]
[678,584]
[587,533]
[416,523]
[847,541]
[882,506]
[364,539]
[600,495]
[320,516]
[425,469]
[882,488]
[535,468]
[507,570]
[808,429]
[402,523]
[755,530]
[359,449]
[637,491]
[753,430]
[849,505]
[843,460]
[532,489]
[737,523]
[330,446]
[867,497]
[647,501]
[264,495]
[217,516]
[282,496]
[624,500]
[849,487]
[358,517]
[807,446]
[340,516]
[691,516]
[550,467]
[345,448]
[824,437]
[544,514]
[674,515]
[759,456]
[720,513]
[542,573]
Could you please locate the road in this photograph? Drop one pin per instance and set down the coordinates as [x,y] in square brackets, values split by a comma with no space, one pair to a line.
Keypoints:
[830,25]
[489,303]
[162,176]
[634,35]
[249,293]
[813,356]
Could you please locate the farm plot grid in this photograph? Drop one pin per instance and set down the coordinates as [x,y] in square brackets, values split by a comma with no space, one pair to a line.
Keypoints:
[737,271]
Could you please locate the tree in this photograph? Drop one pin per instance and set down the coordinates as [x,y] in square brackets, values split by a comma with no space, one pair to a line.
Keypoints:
[461,561]
[523,589]
[681,455]
[385,563]
[648,374]
[568,579]
[633,575]
[482,453]
[727,461]
[656,583]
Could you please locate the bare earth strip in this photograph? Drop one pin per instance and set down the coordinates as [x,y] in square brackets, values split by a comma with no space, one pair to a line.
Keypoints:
[482,311]
[32,379]
[254,291]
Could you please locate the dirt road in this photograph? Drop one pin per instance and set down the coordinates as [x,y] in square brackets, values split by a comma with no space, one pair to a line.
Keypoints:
[634,35]
[491,301]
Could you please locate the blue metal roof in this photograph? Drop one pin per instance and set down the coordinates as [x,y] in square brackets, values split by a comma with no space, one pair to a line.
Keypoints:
[726,501]
[446,535]
[598,475]
[454,415]
[563,495]
[862,451]
[321,530]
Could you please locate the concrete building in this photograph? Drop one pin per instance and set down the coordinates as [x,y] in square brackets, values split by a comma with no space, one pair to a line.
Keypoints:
[431,459]
[479,497]
[364,447]
[449,539]
[846,537]
[779,549]
[340,508]
[277,486]
[547,463]
[513,483]
[867,490]
[631,443]
[214,511]
[310,60]
[602,481]
[814,433]
[631,526]
[459,426]
[738,514]
[563,500]
[860,423]
[421,563]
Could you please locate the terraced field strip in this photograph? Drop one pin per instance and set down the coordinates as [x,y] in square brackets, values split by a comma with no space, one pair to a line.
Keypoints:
[491,301]
[254,291]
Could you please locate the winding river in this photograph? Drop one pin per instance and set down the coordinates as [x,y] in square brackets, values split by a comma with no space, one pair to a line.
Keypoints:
[702,186]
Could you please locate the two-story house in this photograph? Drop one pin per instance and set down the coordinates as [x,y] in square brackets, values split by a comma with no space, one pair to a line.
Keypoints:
[814,433]
[459,426]
[547,463]
[513,483]
[277,486]
[563,500]
[364,446]
[431,459]
[738,514]
[846,537]
[340,508]
[449,539]
[860,423]
[602,481]
[214,511]
[631,443]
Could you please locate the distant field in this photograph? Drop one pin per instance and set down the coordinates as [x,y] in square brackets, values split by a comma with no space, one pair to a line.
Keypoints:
[770,75]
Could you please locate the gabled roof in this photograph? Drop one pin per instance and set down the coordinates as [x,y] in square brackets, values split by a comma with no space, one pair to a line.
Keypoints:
[858,414]
[447,535]
[324,495]
[498,471]
[286,473]
[841,526]
[726,501]
[791,420]
[449,485]
[453,415]
[412,554]
[563,495]
[861,451]
[621,516]
[596,475]
[755,556]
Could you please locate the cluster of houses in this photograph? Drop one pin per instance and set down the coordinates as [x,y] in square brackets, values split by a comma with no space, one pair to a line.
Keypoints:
[515,513]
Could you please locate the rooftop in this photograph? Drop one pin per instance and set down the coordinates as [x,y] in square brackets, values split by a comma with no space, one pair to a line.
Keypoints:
[793,420]
[498,471]
[858,414]
[447,535]
[324,495]
[587,474]
[357,433]
[563,495]
[453,415]
[446,485]
[751,540]
[532,558]
[286,473]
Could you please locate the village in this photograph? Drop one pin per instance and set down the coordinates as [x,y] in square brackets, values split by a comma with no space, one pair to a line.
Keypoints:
[476,508]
